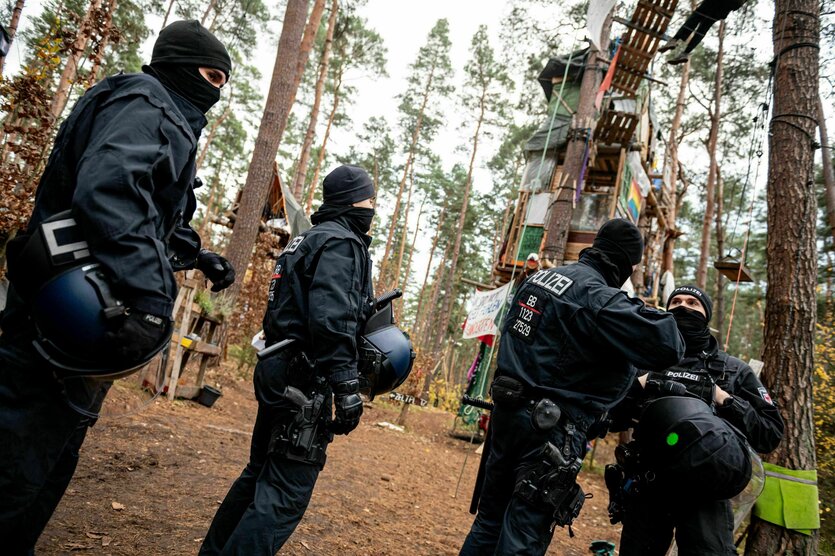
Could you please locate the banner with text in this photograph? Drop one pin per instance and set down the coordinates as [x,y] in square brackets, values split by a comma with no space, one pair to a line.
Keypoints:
[484,309]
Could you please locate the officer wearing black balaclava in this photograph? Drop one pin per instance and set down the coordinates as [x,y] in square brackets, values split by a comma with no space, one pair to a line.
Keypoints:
[123,165]
[568,346]
[320,296]
[701,526]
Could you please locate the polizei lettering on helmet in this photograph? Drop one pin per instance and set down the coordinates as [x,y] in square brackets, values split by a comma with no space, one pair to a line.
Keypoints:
[552,281]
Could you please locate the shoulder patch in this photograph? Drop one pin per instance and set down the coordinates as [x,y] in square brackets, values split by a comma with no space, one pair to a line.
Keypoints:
[764,395]
[293,245]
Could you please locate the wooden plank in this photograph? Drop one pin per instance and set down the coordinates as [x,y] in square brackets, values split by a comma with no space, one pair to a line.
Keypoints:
[178,357]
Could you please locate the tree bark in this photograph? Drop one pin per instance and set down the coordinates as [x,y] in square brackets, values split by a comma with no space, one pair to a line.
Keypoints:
[828,177]
[789,339]
[395,217]
[462,219]
[167,14]
[12,28]
[719,303]
[307,144]
[308,38]
[712,143]
[562,201]
[405,235]
[411,253]
[70,71]
[259,177]
[417,325]
[311,190]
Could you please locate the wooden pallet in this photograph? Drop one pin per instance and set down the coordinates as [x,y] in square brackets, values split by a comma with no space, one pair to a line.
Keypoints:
[640,43]
[616,128]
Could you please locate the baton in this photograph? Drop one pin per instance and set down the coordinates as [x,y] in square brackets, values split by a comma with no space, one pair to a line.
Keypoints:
[275,349]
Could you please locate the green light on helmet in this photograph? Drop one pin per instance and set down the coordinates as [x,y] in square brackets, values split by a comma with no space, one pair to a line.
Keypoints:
[672,439]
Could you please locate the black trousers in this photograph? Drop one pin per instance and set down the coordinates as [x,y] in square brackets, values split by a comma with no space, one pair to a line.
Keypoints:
[268,500]
[700,21]
[701,528]
[40,438]
[506,524]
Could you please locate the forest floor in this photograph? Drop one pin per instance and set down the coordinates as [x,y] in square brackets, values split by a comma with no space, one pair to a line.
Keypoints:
[149,483]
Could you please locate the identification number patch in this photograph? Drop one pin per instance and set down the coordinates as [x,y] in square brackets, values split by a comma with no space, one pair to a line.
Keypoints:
[524,320]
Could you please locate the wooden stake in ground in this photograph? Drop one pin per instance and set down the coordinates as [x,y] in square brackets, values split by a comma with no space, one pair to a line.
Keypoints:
[280,99]
[790,313]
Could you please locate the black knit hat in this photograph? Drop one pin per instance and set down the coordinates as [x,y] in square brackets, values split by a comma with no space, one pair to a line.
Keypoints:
[698,293]
[188,42]
[347,185]
[620,240]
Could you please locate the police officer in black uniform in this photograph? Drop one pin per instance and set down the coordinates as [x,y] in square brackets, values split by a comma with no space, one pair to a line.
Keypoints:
[701,526]
[568,345]
[320,296]
[123,164]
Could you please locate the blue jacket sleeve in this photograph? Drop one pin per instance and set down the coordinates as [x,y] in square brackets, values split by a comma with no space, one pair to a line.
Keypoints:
[649,339]
[135,154]
[335,307]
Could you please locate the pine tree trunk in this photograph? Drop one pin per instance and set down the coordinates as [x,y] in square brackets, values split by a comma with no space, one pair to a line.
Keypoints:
[417,325]
[209,9]
[462,219]
[311,190]
[719,300]
[167,14]
[399,312]
[429,327]
[395,217]
[308,38]
[70,72]
[828,177]
[210,137]
[789,339]
[667,260]
[712,143]
[307,144]
[259,177]
[12,28]
[562,206]
[405,235]
[98,55]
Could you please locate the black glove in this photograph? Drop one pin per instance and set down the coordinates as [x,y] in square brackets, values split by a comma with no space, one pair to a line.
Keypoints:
[698,386]
[138,335]
[348,404]
[216,268]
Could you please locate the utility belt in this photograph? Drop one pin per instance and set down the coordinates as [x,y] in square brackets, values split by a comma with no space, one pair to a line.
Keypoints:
[302,435]
[551,483]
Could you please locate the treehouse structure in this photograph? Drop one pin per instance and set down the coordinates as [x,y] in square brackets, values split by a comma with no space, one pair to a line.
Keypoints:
[624,172]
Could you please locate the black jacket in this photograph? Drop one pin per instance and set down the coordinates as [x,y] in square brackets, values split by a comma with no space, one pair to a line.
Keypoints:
[571,337]
[752,410]
[321,294]
[123,162]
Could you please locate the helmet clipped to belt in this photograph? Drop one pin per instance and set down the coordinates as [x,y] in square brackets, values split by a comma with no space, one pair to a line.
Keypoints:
[691,450]
[386,353]
[71,302]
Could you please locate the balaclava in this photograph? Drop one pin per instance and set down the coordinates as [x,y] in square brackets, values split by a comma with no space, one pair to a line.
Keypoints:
[621,242]
[180,50]
[342,188]
[692,325]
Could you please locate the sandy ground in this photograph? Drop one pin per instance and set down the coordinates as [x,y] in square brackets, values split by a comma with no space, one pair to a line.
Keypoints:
[149,483]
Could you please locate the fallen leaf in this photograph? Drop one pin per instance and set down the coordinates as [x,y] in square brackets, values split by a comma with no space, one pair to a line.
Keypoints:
[117,506]
[304,544]
[105,540]
[93,535]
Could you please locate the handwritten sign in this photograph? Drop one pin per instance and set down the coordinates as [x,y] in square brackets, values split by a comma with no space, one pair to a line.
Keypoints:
[484,308]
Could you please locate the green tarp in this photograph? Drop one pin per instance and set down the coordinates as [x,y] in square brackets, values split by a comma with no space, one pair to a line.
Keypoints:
[789,499]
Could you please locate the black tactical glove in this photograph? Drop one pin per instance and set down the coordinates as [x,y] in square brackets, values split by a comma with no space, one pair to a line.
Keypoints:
[693,385]
[216,268]
[348,404]
[138,335]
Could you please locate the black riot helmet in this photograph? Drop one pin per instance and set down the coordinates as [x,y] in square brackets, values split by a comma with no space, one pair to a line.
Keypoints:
[71,302]
[691,450]
[386,354]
